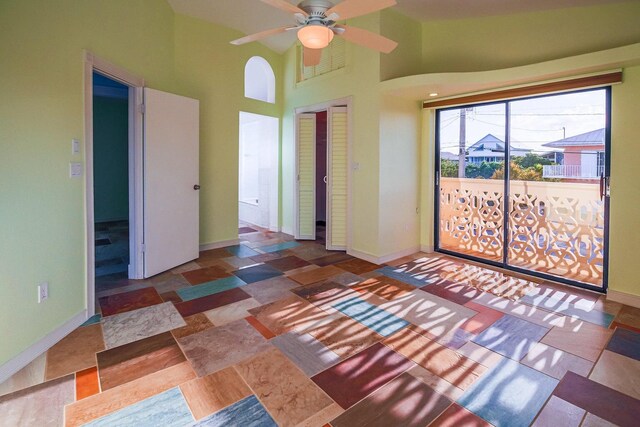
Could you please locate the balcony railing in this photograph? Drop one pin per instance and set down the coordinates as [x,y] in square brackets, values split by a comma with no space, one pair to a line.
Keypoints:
[572,171]
[554,227]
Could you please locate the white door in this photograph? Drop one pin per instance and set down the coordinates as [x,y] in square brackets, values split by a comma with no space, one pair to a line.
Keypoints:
[306,176]
[337,179]
[171,199]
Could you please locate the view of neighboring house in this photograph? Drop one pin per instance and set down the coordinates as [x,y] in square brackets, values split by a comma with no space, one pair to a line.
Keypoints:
[491,149]
[583,157]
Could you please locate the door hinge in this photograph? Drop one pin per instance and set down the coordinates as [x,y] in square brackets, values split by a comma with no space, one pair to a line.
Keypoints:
[142,108]
[437,178]
[143,248]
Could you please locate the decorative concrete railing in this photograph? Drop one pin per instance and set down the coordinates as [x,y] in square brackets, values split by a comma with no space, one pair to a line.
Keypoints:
[554,227]
[572,171]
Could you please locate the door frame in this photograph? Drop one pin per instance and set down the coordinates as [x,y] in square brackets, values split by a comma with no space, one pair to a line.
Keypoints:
[93,64]
[504,263]
[315,108]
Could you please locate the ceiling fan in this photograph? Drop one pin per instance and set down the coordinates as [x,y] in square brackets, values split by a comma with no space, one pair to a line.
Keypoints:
[316,25]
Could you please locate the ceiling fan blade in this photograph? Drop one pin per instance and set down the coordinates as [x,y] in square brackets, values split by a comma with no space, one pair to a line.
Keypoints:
[311,57]
[285,5]
[352,8]
[367,39]
[261,35]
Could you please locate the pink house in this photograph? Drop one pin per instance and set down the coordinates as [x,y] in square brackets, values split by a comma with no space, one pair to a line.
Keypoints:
[582,157]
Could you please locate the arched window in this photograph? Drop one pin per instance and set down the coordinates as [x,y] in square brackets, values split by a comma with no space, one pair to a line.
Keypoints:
[259,80]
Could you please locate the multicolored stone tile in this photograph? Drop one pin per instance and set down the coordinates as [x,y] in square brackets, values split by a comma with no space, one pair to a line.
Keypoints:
[209,288]
[357,266]
[374,318]
[87,383]
[384,287]
[625,342]
[279,246]
[316,275]
[287,314]
[257,273]
[509,394]
[246,412]
[75,352]
[558,412]
[196,323]
[220,347]
[618,372]
[271,290]
[241,251]
[345,336]
[309,354]
[457,416]
[287,263]
[360,375]
[168,408]
[137,359]
[403,401]
[554,362]
[209,302]
[581,338]
[131,326]
[207,274]
[334,258]
[600,400]
[289,395]
[231,312]
[511,337]
[214,392]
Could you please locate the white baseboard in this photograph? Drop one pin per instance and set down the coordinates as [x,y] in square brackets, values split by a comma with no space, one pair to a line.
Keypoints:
[382,259]
[426,249]
[623,298]
[30,354]
[216,245]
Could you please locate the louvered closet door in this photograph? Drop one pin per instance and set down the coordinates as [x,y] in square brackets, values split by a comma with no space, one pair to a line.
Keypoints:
[306,175]
[337,185]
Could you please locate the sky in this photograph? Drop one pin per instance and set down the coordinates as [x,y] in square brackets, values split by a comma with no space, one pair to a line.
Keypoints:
[533,121]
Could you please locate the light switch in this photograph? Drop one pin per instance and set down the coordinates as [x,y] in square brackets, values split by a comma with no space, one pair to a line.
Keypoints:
[75,170]
[75,146]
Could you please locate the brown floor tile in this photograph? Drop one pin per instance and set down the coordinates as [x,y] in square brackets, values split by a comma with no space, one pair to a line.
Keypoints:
[206,274]
[209,302]
[444,362]
[264,331]
[385,287]
[360,375]
[231,312]
[171,296]
[287,314]
[357,266]
[213,254]
[614,325]
[213,392]
[316,275]
[30,375]
[334,258]
[222,346]
[87,383]
[75,352]
[457,293]
[196,323]
[457,416]
[345,336]
[405,401]
[486,317]
[618,372]
[129,301]
[599,400]
[96,406]
[629,316]
[287,263]
[288,395]
[40,405]
[129,362]
[270,290]
[577,337]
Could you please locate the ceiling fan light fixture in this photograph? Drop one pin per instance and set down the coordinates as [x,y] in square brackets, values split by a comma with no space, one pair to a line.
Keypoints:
[315,36]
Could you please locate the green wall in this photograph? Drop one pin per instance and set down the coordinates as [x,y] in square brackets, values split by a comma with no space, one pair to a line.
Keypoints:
[212,70]
[42,218]
[110,159]
[496,42]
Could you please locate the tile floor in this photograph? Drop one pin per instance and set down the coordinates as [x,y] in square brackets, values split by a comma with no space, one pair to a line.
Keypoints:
[278,332]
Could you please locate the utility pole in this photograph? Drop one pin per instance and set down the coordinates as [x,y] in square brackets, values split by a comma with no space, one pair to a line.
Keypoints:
[463,137]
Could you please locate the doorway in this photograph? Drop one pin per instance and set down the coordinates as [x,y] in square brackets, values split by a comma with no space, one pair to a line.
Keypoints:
[322,174]
[523,184]
[111,172]
[258,171]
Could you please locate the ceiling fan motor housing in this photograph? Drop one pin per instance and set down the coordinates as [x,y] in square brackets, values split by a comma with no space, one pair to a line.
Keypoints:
[316,9]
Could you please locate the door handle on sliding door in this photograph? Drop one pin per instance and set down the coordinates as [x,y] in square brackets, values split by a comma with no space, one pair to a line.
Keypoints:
[602,186]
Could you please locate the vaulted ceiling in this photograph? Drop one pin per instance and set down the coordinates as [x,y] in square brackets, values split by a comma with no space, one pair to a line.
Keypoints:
[251,16]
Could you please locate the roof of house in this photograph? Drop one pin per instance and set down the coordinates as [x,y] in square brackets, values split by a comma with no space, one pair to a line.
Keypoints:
[595,137]
[489,142]
[445,155]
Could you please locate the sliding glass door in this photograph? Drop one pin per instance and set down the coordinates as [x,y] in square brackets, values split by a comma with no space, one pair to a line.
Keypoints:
[522,184]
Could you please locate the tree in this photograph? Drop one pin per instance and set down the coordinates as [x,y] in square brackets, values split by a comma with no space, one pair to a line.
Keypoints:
[530,160]
[483,170]
[518,173]
[448,168]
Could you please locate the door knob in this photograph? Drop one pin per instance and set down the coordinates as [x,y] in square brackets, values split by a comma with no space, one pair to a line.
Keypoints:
[196,187]
[325,179]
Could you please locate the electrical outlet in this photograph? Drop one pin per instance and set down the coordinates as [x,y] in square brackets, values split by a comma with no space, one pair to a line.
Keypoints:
[43,291]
